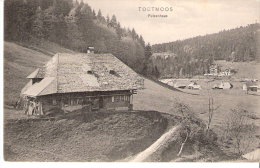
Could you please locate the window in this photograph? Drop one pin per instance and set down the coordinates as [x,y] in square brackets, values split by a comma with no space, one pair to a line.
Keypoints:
[66,102]
[117,98]
[122,98]
[90,72]
[79,101]
[113,99]
[127,98]
[112,72]
[71,102]
[54,102]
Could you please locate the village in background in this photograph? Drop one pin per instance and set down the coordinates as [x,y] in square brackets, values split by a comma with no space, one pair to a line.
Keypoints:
[217,78]
[79,86]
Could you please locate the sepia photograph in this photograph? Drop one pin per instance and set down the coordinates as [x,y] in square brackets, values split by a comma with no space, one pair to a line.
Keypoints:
[131,81]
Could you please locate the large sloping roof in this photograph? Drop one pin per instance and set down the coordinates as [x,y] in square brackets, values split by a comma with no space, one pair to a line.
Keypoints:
[87,72]
[46,86]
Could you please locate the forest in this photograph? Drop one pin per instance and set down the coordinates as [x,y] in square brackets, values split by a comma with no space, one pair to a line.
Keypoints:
[193,56]
[74,25]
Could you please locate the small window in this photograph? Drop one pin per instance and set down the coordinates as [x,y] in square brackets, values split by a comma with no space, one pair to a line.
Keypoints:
[112,72]
[113,99]
[90,72]
[126,98]
[122,98]
[80,101]
[117,98]
[66,102]
[54,102]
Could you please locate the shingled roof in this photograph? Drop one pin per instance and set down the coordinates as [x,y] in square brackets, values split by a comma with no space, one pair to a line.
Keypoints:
[85,73]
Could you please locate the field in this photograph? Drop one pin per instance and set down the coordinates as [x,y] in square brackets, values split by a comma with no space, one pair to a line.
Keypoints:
[21,61]
[162,99]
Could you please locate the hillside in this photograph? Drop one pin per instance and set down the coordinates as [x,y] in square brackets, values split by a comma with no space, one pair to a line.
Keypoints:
[193,56]
[102,137]
[162,99]
[20,61]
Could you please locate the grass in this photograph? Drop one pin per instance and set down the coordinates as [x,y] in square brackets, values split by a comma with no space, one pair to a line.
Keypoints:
[108,137]
[159,98]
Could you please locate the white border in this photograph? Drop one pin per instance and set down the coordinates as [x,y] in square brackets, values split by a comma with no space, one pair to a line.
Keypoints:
[4,164]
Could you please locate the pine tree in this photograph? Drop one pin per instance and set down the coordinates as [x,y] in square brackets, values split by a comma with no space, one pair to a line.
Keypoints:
[99,15]
[113,22]
[142,42]
[133,34]
[94,14]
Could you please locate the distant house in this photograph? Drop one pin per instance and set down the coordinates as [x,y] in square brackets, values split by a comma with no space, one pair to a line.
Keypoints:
[223,85]
[252,86]
[194,86]
[214,69]
[226,72]
[69,81]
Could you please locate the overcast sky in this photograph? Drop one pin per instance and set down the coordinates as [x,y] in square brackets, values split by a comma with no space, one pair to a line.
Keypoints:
[189,18]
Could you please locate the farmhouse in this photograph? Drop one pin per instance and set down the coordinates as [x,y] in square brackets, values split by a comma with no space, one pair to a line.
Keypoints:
[72,81]
[194,86]
[251,86]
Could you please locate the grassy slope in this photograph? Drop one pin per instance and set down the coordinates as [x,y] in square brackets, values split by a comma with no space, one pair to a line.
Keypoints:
[162,99]
[20,61]
[102,137]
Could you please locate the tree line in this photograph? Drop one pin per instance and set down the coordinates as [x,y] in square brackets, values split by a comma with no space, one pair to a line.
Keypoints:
[193,56]
[74,25]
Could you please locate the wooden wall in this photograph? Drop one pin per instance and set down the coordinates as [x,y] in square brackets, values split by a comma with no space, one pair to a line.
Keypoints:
[116,100]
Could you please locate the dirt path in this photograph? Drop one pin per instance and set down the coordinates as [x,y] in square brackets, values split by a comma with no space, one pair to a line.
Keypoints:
[159,145]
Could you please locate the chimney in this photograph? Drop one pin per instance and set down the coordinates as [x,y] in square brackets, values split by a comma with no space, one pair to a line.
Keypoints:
[90,50]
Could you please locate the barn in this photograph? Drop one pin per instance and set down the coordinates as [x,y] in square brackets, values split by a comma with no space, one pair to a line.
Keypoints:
[72,81]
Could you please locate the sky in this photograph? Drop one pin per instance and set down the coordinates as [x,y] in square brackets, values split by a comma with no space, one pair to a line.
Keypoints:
[189,18]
